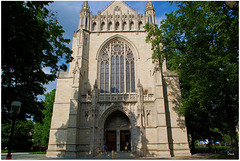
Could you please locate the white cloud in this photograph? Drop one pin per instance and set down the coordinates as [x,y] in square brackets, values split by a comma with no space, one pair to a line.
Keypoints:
[159,19]
[49,87]
[46,70]
[52,85]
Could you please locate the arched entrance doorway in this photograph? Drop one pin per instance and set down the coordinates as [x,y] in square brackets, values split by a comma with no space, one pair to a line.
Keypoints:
[117,132]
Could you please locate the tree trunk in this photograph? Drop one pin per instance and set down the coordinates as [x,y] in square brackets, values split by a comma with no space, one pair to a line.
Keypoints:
[193,150]
[210,147]
[234,141]
[232,126]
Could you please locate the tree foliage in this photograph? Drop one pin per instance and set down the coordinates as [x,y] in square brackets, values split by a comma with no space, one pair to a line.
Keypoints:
[22,135]
[32,41]
[200,42]
[41,130]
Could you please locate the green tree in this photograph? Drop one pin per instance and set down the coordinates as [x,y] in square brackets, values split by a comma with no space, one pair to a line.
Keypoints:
[22,135]
[41,130]
[32,41]
[200,42]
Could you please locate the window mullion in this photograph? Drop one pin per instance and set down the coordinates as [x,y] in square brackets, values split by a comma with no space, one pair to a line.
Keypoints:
[110,70]
[130,76]
[107,77]
[124,72]
[114,74]
[104,77]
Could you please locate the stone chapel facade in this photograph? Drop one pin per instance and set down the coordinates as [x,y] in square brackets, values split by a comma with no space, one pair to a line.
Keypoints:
[113,93]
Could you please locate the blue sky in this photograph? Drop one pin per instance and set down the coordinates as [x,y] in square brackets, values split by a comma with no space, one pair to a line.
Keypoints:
[68,12]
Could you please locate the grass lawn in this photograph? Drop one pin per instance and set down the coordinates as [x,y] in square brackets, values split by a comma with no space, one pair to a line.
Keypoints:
[34,152]
[222,157]
[38,152]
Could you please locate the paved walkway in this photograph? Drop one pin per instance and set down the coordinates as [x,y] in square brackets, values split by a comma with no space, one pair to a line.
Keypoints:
[117,155]
[120,155]
[24,156]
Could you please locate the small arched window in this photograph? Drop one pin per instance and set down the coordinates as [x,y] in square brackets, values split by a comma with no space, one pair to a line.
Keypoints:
[117,68]
[94,26]
[131,27]
[140,25]
[110,26]
[102,26]
[124,25]
[150,19]
[117,26]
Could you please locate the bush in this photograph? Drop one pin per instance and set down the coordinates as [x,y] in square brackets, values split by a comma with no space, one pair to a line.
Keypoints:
[216,149]
[222,157]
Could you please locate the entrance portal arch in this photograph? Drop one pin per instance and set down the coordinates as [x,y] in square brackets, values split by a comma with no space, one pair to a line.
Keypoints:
[129,117]
[117,129]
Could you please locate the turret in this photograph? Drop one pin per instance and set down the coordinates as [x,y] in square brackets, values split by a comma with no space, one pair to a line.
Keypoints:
[84,20]
[150,13]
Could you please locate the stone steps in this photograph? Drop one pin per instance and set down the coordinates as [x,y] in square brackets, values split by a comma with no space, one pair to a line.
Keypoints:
[116,155]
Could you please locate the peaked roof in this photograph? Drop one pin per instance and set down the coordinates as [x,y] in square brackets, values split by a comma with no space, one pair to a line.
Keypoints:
[117,4]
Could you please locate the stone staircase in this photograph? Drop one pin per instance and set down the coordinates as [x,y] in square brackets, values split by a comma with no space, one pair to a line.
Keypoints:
[116,155]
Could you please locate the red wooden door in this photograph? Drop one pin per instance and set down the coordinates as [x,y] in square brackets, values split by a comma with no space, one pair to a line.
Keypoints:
[111,140]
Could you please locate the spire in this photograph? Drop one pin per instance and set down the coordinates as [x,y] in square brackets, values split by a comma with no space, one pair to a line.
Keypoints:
[84,16]
[150,13]
[149,6]
[85,6]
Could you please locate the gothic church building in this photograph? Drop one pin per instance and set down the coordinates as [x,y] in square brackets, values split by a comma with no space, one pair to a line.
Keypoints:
[113,93]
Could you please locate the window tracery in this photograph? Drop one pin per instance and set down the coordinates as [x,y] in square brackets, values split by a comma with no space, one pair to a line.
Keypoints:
[117,68]
[117,9]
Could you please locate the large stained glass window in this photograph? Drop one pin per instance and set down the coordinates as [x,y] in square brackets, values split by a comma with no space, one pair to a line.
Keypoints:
[117,70]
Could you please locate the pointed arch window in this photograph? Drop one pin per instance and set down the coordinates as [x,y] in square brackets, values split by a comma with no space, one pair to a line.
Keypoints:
[150,19]
[117,68]
[94,26]
[131,27]
[110,26]
[140,25]
[124,26]
[117,26]
[103,26]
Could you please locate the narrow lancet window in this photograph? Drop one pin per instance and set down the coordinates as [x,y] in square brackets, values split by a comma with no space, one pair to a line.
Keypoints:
[128,76]
[132,77]
[122,73]
[117,74]
[107,78]
[113,74]
[102,78]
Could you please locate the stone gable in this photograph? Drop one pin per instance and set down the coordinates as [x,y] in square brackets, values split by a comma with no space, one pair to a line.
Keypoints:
[117,8]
